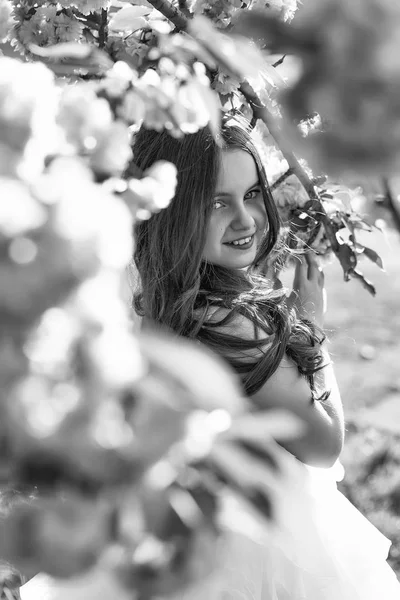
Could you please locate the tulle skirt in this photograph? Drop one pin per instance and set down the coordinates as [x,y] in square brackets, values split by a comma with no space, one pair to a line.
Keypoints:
[327,551]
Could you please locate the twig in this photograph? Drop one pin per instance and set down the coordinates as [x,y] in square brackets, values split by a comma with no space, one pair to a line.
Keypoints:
[184,8]
[391,203]
[281,179]
[172,13]
[103,29]
[279,62]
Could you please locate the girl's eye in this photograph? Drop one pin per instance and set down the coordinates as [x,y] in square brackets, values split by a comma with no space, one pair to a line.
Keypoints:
[252,194]
[217,204]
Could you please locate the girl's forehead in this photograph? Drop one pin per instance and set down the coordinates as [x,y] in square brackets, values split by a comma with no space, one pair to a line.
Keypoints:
[237,170]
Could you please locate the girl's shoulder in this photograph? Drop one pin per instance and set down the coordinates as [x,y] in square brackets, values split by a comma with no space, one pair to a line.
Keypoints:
[249,324]
[231,322]
[235,335]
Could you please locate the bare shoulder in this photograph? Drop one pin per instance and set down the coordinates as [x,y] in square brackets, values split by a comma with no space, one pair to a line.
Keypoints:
[238,336]
[236,324]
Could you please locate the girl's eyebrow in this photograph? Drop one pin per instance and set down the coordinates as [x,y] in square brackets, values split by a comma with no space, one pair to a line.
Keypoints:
[227,194]
[254,185]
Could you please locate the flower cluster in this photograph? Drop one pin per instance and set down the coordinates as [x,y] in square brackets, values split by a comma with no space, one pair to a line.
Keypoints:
[175,97]
[43,25]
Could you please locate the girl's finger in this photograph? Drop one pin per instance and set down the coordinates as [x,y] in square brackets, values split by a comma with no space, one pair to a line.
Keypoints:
[314,269]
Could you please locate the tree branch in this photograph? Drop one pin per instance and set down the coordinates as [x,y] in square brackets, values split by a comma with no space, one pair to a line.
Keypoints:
[391,203]
[281,179]
[172,13]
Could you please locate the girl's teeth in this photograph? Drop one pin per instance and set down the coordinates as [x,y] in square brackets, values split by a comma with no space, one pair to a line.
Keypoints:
[241,242]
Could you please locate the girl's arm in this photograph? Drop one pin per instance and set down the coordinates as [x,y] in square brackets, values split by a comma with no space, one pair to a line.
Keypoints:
[323,439]
[323,436]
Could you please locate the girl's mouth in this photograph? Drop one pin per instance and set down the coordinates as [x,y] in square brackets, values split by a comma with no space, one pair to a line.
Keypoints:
[242,243]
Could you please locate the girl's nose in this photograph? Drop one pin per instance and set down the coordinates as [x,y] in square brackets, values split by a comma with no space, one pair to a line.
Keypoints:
[242,219]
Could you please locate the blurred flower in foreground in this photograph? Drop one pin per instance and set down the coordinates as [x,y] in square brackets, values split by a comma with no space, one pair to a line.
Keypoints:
[28,105]
[153,192]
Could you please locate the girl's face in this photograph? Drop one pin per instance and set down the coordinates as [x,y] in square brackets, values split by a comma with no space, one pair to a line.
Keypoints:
[238,220]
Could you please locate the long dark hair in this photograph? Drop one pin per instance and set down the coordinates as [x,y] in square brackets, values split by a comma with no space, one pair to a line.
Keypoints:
[179,289]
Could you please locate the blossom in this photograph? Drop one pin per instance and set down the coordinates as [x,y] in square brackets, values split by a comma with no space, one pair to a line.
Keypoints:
[39,29]
[132,109]
[154,191]
[83,116]
[284,9]
[289,196]
[220,11]
[112,152]
[67,28]
[28,105]
[179,106]
[117,79]
[20,212]
[5,19]
[225,84]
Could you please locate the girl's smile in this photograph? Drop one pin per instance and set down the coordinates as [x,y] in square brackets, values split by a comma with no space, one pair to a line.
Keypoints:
[243,243]
[239,219]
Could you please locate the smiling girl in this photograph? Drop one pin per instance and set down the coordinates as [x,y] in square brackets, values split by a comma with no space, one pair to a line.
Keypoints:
[200,263]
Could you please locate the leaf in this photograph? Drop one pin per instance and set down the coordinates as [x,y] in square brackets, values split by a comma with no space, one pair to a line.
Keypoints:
[368,285]
[129,18]
[80,56]
[347,258]
[65,50]
[374,257]
[355,221]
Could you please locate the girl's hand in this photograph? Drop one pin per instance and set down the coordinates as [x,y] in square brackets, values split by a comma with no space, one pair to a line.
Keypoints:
[309,295]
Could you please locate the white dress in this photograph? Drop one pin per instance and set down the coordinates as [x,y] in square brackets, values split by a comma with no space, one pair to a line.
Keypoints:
[326,550]
[331,553]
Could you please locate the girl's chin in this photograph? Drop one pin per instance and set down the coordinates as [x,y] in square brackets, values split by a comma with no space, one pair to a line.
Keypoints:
[238,264]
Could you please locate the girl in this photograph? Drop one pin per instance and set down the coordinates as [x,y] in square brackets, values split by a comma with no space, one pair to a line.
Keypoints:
[200,263]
